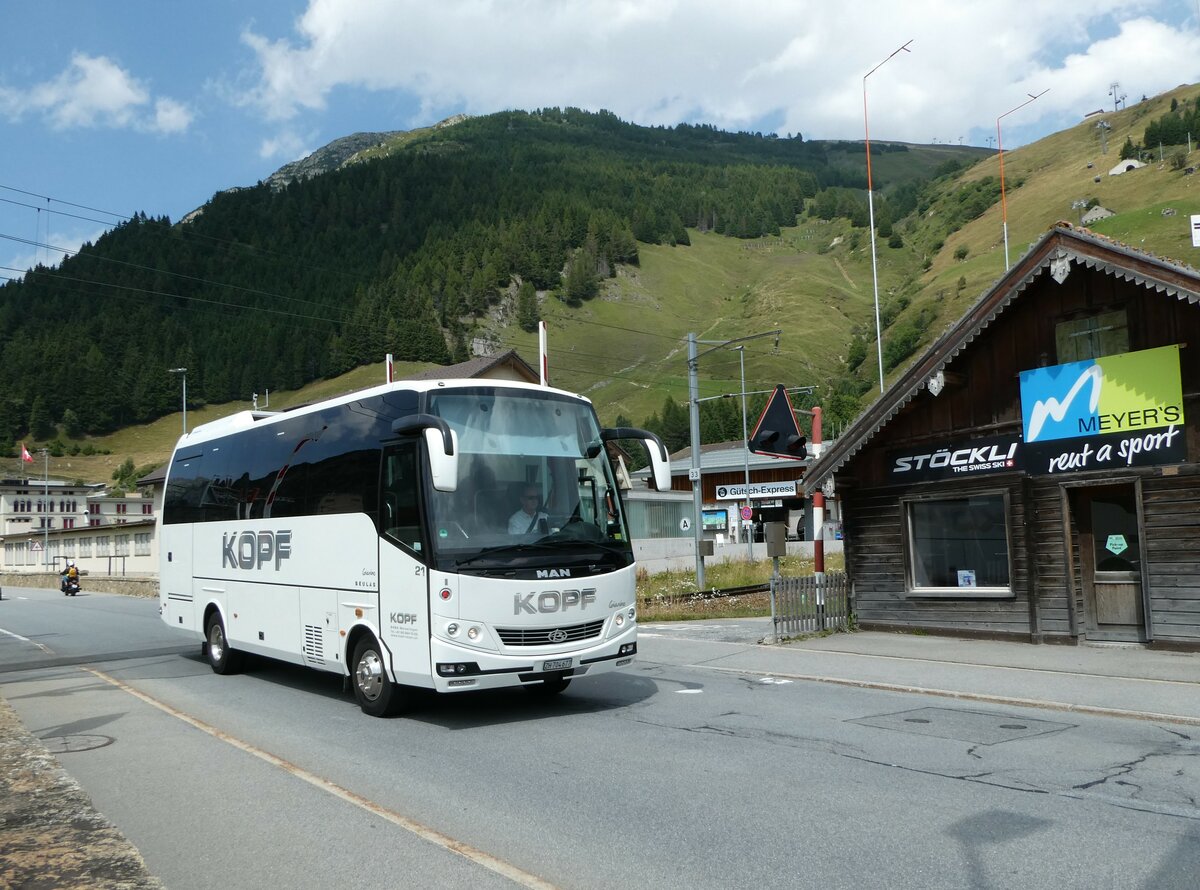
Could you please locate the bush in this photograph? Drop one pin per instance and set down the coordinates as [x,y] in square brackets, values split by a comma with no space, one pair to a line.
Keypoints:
[960,252]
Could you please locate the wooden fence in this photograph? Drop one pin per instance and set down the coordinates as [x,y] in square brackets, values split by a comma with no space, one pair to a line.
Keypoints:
[808,605]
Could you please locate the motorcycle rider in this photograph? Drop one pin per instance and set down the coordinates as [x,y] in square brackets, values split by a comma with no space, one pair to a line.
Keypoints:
[69,575]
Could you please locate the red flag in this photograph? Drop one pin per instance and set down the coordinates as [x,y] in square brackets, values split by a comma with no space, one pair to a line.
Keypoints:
[25,455]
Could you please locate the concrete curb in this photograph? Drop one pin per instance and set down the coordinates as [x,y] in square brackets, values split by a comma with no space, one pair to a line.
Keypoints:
[50,834]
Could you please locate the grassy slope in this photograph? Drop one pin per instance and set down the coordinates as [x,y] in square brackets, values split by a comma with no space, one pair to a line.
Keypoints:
[1055,173]
[721,289]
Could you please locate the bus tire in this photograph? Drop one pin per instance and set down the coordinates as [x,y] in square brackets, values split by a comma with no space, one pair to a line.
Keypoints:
[222,658]
[377,695]
[549,686]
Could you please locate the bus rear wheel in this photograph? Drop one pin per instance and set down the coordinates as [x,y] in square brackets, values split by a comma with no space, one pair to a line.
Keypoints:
[222,658]
[377,695]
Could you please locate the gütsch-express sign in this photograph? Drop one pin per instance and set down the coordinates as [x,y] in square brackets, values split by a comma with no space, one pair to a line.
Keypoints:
[1111,412]
[759,490]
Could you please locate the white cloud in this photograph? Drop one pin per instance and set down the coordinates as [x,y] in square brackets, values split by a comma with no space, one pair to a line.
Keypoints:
[94,91]
[285,146]
[171,116]
[790,65]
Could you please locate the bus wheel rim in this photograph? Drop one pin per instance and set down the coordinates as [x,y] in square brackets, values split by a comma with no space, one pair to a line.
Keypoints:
[216,643]
[369,675]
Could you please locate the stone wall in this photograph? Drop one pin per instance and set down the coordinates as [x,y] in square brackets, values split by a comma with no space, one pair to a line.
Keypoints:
[147,587]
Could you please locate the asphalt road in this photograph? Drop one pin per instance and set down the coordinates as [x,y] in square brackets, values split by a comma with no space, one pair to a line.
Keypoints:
[669,774]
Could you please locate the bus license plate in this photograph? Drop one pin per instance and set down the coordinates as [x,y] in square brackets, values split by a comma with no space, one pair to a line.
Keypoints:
[559,664]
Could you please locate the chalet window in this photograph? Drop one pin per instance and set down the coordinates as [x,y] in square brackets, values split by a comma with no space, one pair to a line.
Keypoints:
[958,546]
[1092,337]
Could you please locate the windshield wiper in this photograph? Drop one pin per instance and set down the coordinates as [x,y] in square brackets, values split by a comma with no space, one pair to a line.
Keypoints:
[506,549]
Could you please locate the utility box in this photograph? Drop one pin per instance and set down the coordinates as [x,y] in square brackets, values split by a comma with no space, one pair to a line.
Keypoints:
[706,547]
[776,537]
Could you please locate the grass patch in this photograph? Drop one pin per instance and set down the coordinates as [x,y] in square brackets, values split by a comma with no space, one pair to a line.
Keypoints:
[672,596]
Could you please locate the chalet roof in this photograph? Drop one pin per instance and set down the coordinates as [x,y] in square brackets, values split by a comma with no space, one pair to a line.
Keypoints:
[1062,245]
[481,366]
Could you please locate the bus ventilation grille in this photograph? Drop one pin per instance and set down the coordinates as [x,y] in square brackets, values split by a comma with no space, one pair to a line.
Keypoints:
[314,643]
[549,636]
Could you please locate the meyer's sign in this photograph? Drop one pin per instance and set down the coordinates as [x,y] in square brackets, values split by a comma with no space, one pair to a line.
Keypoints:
[757,490]
[997,454]
[1106,413]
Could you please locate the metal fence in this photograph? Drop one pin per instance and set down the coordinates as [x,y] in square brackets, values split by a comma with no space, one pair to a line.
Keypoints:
[810,604]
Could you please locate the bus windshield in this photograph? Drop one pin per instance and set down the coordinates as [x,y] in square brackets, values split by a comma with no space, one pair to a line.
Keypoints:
[535,486]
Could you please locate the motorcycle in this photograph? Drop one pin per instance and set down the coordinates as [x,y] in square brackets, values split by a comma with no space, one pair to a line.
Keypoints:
[70,586]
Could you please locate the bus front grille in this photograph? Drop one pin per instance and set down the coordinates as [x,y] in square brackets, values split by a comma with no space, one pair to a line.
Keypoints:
[549,636]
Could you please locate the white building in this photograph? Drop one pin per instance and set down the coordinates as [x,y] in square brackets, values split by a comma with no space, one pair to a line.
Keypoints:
[1125,166]
[44,523]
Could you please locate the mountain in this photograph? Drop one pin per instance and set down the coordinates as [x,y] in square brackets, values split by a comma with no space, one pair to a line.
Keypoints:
[624,238]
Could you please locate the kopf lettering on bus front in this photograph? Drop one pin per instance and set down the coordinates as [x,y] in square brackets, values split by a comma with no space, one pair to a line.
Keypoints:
[552,601]
[251,550]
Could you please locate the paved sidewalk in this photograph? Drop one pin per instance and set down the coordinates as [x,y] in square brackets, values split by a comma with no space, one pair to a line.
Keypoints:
[1125,681]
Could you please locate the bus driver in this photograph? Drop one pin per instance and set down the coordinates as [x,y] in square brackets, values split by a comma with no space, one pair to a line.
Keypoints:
[527,518]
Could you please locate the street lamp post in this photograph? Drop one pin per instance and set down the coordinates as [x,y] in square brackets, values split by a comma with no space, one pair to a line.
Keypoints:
[183,372]
[871,211]
[1000,149]
[46,508]
[746,450]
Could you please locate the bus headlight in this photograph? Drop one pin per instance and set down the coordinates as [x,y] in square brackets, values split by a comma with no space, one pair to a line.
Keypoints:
[619,619]
[464,633]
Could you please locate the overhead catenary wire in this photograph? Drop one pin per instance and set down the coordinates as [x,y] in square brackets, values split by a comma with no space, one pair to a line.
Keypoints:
[188,233]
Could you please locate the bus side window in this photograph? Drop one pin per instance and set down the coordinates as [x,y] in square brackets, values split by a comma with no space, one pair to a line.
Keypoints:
[400,517]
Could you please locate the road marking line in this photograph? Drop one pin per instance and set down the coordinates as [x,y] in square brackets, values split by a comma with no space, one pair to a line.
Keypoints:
[9,633]
[432,835]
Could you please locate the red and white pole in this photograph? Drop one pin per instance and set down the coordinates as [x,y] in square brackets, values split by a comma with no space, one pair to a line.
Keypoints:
[543,362]
[818,500]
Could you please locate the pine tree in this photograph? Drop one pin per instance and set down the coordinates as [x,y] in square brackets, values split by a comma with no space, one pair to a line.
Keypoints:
[527,307]
[40,427]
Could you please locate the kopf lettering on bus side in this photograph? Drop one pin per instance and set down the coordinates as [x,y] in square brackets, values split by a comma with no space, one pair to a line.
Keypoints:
[250,550]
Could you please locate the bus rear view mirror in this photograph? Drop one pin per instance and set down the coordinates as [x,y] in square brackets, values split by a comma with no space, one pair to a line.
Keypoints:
[441,443]
[660,464]
[443,467]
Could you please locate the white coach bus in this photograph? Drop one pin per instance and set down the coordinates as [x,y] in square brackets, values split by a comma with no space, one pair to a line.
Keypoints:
[383,536]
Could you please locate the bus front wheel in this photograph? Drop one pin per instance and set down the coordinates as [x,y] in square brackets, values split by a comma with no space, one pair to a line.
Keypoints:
[377,695]
[222,658]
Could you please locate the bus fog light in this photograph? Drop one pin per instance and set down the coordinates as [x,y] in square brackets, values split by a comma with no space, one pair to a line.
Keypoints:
[473,633]
[452,629]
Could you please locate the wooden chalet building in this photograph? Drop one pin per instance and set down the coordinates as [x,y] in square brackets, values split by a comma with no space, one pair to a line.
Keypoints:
[1035,474]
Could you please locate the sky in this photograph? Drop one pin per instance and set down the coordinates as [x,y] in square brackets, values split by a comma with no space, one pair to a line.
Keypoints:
[111,108]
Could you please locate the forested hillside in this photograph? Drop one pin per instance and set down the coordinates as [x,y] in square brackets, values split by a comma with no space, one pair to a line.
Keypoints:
[404,251]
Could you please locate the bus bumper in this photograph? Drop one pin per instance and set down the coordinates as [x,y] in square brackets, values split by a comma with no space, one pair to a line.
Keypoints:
[460,669]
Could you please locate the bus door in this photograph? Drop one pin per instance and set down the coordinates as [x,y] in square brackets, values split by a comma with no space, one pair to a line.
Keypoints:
[175,576]
[403,573]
